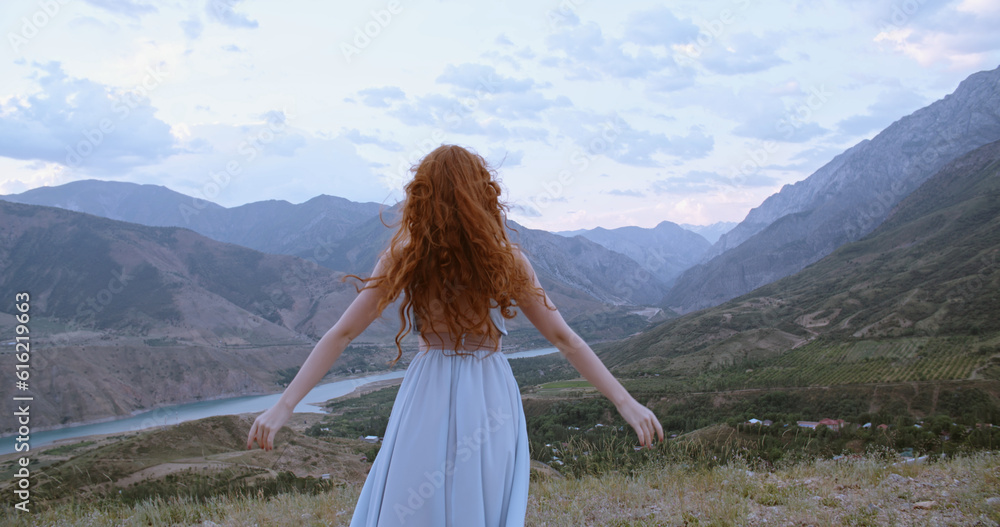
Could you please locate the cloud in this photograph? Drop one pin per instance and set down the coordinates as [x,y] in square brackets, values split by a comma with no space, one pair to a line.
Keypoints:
[615,138]
[696,181]
[659,27]
[80,123]
[232,48]
[380,97]
[502,40]
[627,193]
[889,106]
[269,157]
[585,53]
[355,136]
[503,158]
[224,12]
[958,34]
[786,113]
[483,102]
[744,53]
[479,78]
[192,27]
[129,8]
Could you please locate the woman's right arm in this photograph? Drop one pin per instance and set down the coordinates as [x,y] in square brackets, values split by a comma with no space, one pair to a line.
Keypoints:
[358,316]
[553,327]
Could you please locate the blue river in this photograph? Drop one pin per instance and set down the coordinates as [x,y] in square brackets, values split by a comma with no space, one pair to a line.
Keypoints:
[180,413]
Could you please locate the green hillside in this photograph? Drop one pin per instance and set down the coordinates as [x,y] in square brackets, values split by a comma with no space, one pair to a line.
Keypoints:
[917,299]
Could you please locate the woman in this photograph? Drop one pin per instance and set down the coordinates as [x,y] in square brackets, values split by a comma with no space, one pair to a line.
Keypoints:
[455,451]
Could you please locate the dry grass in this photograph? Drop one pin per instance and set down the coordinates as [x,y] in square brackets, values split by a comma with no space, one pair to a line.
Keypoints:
[863,492]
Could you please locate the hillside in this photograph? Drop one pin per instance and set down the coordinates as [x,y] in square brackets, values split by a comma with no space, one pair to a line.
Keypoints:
[926,280]
[845,199]
[126,317]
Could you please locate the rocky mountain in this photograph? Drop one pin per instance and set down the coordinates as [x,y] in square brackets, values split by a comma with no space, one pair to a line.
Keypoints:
[930,271]
[666,250]
[581,276]
[127,317]
[161,282]
[577,264]
[346,236]
[272,226]
[712,232]
[845,199]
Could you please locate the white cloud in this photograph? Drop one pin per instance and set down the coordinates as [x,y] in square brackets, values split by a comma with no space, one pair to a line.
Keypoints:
[224,12]
[82,124]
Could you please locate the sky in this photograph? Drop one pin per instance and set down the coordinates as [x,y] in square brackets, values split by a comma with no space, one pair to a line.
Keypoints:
[593,113]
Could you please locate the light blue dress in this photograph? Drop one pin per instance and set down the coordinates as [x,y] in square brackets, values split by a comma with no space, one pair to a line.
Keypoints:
[455,452]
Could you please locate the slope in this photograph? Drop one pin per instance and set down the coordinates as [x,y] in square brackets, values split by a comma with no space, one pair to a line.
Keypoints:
[927,280]
[845,199]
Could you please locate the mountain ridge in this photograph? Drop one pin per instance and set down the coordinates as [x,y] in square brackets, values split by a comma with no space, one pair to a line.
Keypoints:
[845,199]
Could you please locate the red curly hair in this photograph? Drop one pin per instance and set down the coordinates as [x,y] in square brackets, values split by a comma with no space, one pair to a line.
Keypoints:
[451,251]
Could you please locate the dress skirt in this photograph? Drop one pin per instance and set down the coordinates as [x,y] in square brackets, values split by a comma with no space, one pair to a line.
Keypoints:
[455,452]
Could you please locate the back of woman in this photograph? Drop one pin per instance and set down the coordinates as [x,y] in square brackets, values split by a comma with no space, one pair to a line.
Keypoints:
[455,450]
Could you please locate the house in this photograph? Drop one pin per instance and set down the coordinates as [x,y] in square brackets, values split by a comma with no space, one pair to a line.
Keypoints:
[370,439]
[832,424]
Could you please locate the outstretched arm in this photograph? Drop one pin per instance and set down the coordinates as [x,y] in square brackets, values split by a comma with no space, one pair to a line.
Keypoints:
[358,316]
[554,328]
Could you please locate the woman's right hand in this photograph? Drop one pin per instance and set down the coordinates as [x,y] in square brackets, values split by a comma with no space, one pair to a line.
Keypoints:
[643,420]
[266,426]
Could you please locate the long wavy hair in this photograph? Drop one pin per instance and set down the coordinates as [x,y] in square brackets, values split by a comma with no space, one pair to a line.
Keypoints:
[451,251]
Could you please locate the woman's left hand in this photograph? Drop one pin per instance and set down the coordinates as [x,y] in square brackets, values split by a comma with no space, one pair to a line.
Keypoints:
[643,421]
[266,426]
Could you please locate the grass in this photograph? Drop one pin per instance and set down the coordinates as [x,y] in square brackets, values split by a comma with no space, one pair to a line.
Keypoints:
[566,384]
[868,490]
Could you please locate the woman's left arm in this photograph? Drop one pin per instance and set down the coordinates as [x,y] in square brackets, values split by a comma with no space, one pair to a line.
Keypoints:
[358,316]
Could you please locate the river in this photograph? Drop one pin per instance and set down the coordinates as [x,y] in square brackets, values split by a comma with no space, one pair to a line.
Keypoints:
[180,413]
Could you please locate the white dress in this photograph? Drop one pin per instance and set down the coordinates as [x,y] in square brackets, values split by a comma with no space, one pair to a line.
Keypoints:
[455,452]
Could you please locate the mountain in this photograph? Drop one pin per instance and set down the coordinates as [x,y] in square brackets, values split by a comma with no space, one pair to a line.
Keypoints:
[272,226]
[916,298]
[125,317]
[581,276]
[711,232]
[666,250]
[572,265]
[346,236]
[845,199]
